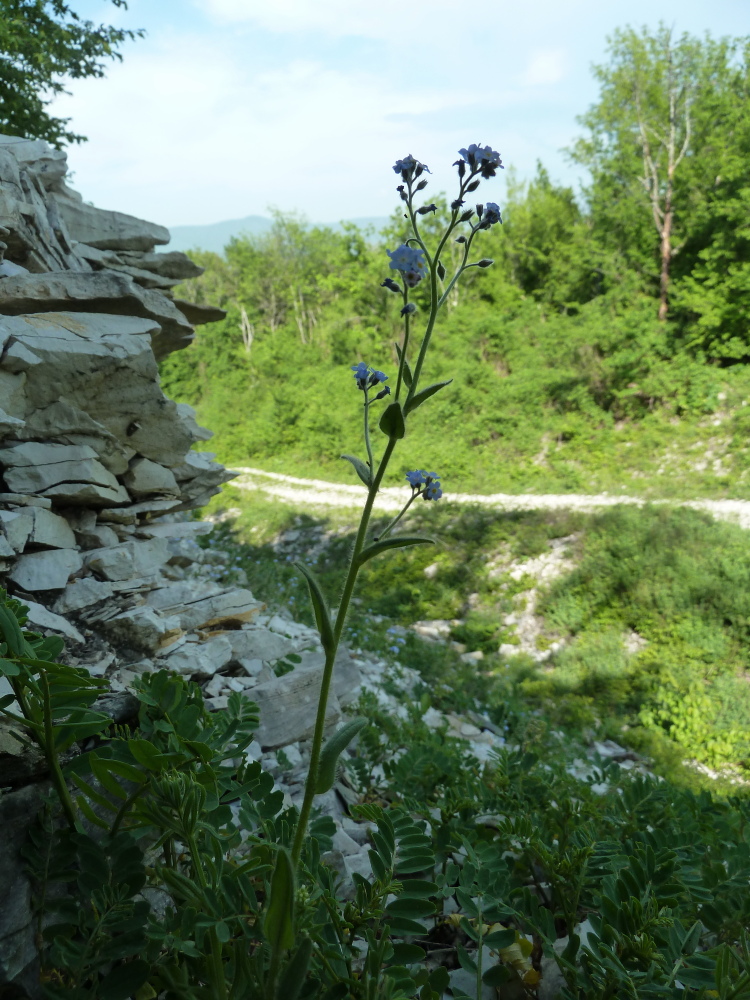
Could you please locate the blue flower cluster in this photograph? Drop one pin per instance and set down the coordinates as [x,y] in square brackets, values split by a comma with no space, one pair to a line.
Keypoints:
[410,261]
[490,216]
[409,167]
[366,377]
[480,159]
[426,483]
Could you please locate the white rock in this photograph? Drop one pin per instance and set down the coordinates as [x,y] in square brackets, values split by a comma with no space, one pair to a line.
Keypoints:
[91,494]
[288,705]
[48,570]
[146,478]
[51,530]
[6,549]
[200,659]
[359,863]
[342,841]
[30,454]
[128,559]
[251,667]
[175,529]
[229,607]
[17,526]
[82,594]
[40,616]
[258,644]
[143,629]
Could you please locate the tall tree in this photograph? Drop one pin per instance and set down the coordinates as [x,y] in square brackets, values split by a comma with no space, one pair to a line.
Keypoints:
[43,43]
[642,131]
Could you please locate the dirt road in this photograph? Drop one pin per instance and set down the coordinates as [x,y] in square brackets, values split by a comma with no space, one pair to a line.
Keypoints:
[319,493]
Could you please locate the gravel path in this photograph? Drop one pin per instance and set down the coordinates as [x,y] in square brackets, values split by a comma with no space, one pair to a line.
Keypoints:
[318,492]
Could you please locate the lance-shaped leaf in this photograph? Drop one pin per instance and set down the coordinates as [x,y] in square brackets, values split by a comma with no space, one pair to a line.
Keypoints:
[418,398]
[408,377]
[397,542]
[293,977]
[361,468]
[278,923]
[392,422]
[329,755]
[322,615]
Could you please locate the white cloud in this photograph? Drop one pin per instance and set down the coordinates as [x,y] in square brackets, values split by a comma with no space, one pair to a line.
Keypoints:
[545,66]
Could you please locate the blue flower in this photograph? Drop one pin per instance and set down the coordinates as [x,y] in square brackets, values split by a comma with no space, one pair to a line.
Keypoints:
[408,165]
[432,491]
[407,259]
[416,478]
[394,649]
[361,372]
[491,215]
[366,377]
[482,158]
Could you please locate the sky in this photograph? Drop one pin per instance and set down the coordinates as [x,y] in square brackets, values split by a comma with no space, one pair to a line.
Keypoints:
[229,108]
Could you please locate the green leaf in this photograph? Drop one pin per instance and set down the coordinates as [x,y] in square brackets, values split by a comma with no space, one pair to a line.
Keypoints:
[500,939]
[418,398]
[146,754]
[9,669]
[381,872]
[361,468]
[397,542]
[496,975]
[392,422]
[419,888]
[465,960]
[329,755]
[407,954]
[123,981]
[409,907]
[293,977]
[279,918]
[320,607]
[408,377]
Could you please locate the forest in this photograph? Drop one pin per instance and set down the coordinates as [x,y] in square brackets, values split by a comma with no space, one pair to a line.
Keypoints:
[601,350]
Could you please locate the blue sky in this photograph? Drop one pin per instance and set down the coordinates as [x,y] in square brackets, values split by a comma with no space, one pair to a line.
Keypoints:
[230,107]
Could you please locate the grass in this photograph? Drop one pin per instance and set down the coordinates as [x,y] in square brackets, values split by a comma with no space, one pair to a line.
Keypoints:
[653,620]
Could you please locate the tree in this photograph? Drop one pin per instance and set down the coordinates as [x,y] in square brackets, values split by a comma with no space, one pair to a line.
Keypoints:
[641,132]
[43,43]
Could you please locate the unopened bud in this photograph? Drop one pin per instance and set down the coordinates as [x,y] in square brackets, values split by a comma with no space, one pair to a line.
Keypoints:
[466,215]
[486,262]
[441,270]
[480,209]
[460,239]
[401,193]
[473,186]
[422,185]
[391,285]
[426,208]
[385,391]
[409,308]
[455,205]
[419,170]
[461,168]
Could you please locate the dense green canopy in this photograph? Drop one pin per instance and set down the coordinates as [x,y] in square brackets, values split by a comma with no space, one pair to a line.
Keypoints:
[43,42]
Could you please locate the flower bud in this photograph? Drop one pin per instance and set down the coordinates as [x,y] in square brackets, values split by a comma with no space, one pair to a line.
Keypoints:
[466,215]
[441,270]
[386,391]
[408,309]
[460,239]
[461,164]
[480,209]
[455,205]
[473,186]
[422,185]
[419,170]
[485,262]
[426,208]
[390,284]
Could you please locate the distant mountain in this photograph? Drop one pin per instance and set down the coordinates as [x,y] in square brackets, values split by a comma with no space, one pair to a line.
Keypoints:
[216,235]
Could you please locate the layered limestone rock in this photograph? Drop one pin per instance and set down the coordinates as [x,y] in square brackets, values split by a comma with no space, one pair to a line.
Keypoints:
[96,473]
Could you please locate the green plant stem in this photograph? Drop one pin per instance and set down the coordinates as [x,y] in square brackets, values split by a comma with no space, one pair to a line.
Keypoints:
[404,346]
[368,443]
[53,762]
[325,686]
[398,517]
[480,926]
[218,982]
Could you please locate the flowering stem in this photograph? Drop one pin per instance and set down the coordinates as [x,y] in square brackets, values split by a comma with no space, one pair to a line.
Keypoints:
[404,346]
[325,686]
[398,517]
[368,443]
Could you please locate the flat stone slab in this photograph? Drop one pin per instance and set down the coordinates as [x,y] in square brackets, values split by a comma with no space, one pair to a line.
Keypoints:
[40,617]
[129,559]
[82,594]
[48,570]
[200,659]
[143,629]
[230,607]
[288,706]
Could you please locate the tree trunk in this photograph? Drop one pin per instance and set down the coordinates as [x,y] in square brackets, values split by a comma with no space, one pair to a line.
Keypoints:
[666,260]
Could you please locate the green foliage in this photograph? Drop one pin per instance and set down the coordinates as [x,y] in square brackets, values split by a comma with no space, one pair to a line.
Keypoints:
[42,43]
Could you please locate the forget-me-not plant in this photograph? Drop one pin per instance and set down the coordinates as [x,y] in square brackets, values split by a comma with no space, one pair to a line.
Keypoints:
[412,263]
